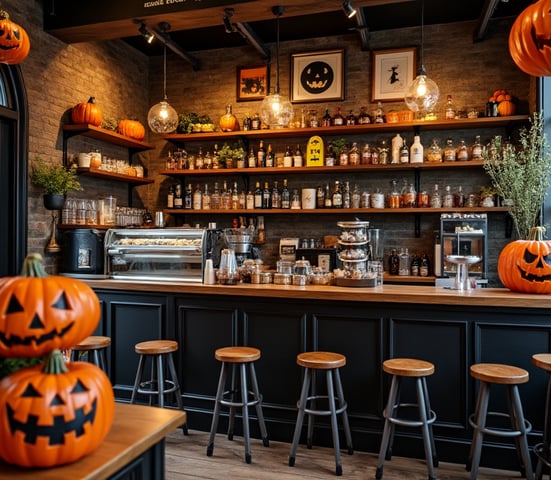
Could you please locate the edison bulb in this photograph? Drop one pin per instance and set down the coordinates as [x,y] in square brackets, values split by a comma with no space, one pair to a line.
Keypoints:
[162,118]
[422,94]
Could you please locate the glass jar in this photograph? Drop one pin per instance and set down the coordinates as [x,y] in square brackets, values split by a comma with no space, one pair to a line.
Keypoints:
[434,152]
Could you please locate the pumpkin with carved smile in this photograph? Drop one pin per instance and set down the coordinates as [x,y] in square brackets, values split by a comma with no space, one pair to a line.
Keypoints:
[14,41]
[39,313]
[317,77]
[54,413]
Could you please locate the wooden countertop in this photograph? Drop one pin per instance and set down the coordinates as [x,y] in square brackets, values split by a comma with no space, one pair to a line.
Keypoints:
[135,429]
[485,297]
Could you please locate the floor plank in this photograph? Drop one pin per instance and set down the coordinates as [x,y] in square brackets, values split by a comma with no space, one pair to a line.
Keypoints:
[185,458]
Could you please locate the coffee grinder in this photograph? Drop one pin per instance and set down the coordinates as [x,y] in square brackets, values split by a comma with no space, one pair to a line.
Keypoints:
[240,240]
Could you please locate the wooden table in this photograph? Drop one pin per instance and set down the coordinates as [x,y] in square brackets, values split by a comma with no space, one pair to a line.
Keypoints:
[138,432]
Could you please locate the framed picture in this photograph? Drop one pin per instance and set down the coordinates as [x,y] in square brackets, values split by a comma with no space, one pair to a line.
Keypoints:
[392,72]
[317,76]
[253,83]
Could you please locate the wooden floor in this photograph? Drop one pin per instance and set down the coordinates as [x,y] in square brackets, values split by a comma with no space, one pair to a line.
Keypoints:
[186,458]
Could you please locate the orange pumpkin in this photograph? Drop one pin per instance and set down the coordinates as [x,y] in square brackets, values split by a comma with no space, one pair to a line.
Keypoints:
[54,413]
[525,265]
[506,108]
[228,121]
[14,41]
[39,313]
[87,113]
[131,128]
[530,39]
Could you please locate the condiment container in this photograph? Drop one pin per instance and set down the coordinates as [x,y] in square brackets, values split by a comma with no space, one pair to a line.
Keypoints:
[283,279]
[299,280]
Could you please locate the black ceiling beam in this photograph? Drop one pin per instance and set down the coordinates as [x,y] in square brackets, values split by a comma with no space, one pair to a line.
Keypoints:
[252,38]
[162,35]
[362,28]
[485,15]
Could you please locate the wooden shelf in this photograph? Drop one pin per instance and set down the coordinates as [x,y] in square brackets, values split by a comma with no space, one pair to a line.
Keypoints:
[333,211]
[98,133]
[96,172]
[483,122]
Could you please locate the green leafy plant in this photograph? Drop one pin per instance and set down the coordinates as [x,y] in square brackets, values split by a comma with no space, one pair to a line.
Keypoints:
[186,121]
[53,179]
[521,174]
[231,152]
[338,146]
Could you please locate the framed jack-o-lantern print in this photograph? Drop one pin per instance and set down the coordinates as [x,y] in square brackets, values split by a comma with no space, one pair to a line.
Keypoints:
[317,76]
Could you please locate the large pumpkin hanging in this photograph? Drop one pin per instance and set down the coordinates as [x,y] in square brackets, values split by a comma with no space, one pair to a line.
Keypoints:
[39,313]
[525,265]
[131,128]
[14,41]
[87,113]
[54,413]
[530,39]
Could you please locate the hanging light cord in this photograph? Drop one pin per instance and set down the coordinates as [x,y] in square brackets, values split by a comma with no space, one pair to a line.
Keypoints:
[422,37]
[277,55]
[164,74]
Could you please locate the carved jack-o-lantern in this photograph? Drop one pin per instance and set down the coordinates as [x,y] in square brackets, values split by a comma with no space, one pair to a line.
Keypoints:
[54,414]
[317,77]
[39,313]
[525,265]
[14,41]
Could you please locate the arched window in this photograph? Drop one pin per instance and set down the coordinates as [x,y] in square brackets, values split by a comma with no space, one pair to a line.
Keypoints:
[13,170]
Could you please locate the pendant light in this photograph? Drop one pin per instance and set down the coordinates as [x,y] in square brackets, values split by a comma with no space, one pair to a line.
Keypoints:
[276,111]
[162,118]
[423,93]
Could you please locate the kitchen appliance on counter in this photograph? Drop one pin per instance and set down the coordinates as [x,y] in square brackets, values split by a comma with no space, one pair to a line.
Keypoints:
[240,240]
[83,253]
[463,235]
[288,248]
[169,254]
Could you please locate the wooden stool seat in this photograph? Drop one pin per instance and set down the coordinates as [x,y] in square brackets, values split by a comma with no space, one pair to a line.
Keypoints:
[542,360]
[237,354]
[321,360]
[416,370]
[543,448]
[93,343]
[498,373]
[156,347]
[311,403]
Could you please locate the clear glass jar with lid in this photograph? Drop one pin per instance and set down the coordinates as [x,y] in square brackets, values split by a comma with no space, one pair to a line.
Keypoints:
[434,152]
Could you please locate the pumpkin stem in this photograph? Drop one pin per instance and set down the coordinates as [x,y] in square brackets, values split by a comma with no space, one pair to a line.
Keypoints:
[4,15]
[54,363]
[33,266]
[537,234]
[92,100]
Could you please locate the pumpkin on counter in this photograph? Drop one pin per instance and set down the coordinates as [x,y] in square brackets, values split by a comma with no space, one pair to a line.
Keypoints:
[131,128]
[14,41]
[87,113]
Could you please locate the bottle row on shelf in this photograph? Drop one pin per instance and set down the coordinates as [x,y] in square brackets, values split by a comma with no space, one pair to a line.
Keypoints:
[403,264]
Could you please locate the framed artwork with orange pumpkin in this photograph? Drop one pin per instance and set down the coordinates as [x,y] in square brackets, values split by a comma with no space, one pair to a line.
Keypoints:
[317,76]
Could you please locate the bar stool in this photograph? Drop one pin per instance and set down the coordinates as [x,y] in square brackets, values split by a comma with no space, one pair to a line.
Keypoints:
[156,386]
[243,357]
[92,349]
[330,363]
[490,374]
[419,370]
[543,449]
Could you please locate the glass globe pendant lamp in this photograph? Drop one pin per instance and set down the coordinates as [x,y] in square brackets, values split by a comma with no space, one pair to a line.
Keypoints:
[162,118]
[276,111]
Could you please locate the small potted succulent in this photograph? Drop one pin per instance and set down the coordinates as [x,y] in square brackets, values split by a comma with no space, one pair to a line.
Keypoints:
[55,180]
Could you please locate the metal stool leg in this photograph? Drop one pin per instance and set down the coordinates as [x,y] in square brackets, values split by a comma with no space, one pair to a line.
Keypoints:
[313,395]
[427,437]
[160,380]
[342,403]
[258,399]
[479,424]
[245,413]
[387,430]
[334,426]
[300,416]
[431,433]
[177,391]
[217,404]
[543,450]
[137,381]
[518,423]
[232,391]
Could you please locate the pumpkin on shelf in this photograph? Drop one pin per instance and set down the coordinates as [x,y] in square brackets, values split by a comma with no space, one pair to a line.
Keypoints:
[54,413]
[87,113]
[228,121]
[39,313]
[131,128]
[14,41]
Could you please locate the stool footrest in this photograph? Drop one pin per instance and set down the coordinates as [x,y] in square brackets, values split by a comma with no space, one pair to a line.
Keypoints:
[249,403]
[499,432]
[403,422]
[313,411]
[542,454]
[149,391]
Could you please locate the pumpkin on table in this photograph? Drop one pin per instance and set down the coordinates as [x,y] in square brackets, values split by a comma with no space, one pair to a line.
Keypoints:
[39,313]
[131,128]
[87,113]
[54,413]
[14,41]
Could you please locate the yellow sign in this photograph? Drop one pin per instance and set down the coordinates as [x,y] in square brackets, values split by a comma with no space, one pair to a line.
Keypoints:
[315,152]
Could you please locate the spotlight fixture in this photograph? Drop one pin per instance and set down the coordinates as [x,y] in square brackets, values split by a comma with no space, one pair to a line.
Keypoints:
[349,10]
[149,37]
[228,13]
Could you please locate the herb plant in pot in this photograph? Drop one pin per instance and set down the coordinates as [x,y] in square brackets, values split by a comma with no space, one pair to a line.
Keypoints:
[521,175]
[55,180]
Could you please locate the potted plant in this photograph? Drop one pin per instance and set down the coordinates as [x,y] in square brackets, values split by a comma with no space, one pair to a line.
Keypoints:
[55,180]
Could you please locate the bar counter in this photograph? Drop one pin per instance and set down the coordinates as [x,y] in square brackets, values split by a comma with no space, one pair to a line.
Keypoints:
[452,329]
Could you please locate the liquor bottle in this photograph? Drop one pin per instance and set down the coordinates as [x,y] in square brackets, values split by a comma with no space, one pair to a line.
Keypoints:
[351,119]
[404,153]
[297,157]
[449,151]
[459,197]
[255,122]
[346,196]
[247,122]
[328,197]
[393,262]
[343,156]
[394,199]
[447,199]
[326,119]
[416,151]
[383,153]
[449,110]
[188,197]
[257,196]
[251,159]
[462,152]
[337,119]
[435,198]
[415,265]
[276,196]
[396,145]
[424,267]
[266,196]
[200,159]
[354,155]
[170,197]
[225,197]
[178,200]
[320,197]
[206,198]
[234,197]
[208,161]
[242,202]
[366,155]
[329,155]
[403,268]
[288,157]
[261,155]
[336,197]
[215,157]
[197,198]
[270,161]
[409,198]
[476,149]
[261,232]
[356,197]
[379,113]
[249,200]
[295,200]
[285,195]
[215,197]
